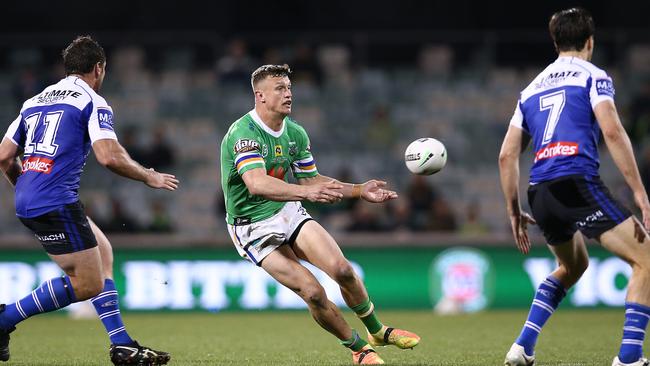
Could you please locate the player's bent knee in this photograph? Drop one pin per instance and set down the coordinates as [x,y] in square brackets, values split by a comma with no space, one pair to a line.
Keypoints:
[87,288]
[344,272]
[577,271]
[581,265]
[576,268]
[314,296]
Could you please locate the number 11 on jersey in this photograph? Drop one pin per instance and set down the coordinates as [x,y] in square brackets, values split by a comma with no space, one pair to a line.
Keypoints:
[45,145]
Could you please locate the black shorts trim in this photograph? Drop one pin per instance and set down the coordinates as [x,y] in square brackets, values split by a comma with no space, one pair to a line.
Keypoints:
[294,235]
[63,230]
[575,202]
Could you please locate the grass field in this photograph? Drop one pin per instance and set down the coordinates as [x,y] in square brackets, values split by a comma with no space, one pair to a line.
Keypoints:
[571,338]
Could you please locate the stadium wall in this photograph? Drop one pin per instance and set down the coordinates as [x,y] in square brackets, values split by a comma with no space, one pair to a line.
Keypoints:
[448,278]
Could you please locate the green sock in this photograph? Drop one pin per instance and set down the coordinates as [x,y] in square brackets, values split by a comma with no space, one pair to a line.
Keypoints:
[356,343]
[366,312]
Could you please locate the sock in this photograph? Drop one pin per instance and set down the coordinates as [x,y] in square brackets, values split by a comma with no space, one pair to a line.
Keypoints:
[51,295]
[636,320]
[547,298]
[107,306]
[366,312]
[356,343]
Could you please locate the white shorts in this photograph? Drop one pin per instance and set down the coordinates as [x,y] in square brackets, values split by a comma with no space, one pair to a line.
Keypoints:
[257,240]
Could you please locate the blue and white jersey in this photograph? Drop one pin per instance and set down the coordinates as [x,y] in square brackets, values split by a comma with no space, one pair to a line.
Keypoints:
[556,110]
[56,129]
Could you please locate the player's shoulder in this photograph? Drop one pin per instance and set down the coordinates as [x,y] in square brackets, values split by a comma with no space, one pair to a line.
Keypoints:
[97,99]
[565,71]
[245,125]
[593,70]
[66,91]
[293,126]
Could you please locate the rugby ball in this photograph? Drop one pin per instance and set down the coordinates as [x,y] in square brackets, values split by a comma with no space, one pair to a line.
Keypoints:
[425,156]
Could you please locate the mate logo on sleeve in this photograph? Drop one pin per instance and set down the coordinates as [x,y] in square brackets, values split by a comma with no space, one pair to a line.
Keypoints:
[605,87]
[105,118]
[245,145]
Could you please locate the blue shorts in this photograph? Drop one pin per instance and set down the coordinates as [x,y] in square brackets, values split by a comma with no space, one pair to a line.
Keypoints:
[64,230]
[574,202]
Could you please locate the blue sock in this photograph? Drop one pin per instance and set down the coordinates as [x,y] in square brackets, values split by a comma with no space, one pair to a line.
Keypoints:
[547,298]
[51,295]
[636,320]
[107,306]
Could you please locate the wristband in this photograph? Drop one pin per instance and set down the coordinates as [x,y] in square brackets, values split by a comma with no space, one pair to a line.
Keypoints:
[356,190]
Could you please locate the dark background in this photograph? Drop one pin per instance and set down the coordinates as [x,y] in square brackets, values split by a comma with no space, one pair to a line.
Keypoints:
[380,33]
[232,17]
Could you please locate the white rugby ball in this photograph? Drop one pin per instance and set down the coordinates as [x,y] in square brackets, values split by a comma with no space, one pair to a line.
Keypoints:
[425,156]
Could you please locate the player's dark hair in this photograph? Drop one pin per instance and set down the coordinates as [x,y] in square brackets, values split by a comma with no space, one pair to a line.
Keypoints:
[265,71]
[570,29]
[81,56]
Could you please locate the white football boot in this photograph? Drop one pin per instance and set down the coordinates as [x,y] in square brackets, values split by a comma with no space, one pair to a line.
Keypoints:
[517,357]
[641,362]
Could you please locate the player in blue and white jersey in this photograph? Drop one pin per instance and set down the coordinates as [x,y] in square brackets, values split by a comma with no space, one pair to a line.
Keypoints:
[54,132]
[564,111]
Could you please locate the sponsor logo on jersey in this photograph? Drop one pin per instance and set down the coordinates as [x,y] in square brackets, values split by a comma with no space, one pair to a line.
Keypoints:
[561,148]
[38,164]
[245,145]
[293,149]
[605,87]
[277,172]
[105,118]
[265,150]
[51,237]
[278,150]
[56,95]
[555,77]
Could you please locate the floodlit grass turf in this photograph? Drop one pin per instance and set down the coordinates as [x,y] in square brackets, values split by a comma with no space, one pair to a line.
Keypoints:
[572,338]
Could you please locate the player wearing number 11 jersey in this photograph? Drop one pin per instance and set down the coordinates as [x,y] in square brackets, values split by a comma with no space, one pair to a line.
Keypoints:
[55,131]
[564,111]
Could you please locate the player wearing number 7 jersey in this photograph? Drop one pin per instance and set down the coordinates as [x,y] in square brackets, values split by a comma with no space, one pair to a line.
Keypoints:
[564,111]
[55,131]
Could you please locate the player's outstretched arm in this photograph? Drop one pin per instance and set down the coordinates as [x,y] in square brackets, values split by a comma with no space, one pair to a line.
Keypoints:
[620,147]
[509,174]
[113,156]
[274,189]
[9,161]
[371,191]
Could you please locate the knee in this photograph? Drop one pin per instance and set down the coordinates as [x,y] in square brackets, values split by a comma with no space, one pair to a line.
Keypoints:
[578,267]
[314,295]
[87,288]
[344,273]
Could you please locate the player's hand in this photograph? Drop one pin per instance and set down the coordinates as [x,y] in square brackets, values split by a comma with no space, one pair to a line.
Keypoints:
[161,180]
[326,192]
[519,224]
[374,191]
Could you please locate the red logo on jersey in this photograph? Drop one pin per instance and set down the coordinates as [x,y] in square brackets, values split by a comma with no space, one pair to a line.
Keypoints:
[38,164]
[561,148]
[277,172]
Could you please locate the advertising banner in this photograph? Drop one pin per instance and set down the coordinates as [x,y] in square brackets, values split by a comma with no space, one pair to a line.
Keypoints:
[453,279]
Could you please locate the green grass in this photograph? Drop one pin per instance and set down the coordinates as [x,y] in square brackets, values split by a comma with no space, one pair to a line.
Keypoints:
[571,338]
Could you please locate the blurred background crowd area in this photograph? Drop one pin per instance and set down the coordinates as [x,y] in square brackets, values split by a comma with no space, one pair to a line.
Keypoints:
[361,97]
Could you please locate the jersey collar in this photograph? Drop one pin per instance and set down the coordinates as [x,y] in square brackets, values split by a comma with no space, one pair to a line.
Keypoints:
[258,120]
[572,60]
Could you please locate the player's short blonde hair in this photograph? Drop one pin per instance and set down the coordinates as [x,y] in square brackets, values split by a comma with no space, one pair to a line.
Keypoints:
[265,71]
